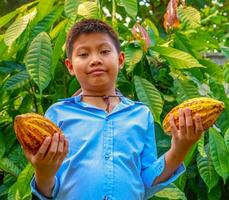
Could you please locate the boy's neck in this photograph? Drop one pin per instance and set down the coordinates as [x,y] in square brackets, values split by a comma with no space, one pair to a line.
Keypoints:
[106,100]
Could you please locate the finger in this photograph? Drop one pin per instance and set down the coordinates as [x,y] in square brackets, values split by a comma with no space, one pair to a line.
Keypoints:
[198,125]
[182,127]
[27,152]
[173,126]
[53,147]
[65,151]
[43,149]
[189,122]
[61,144]
[60,148]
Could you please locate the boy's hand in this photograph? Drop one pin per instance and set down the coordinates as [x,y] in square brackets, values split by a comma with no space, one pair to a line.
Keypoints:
[188,132]
[49,157]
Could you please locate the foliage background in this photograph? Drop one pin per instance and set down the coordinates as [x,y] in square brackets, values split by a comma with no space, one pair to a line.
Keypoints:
[162,69]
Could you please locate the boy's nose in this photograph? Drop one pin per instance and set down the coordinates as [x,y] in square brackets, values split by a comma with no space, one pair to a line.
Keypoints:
[95,61]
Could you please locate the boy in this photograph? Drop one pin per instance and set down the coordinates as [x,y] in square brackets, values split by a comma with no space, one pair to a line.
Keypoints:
[111,142]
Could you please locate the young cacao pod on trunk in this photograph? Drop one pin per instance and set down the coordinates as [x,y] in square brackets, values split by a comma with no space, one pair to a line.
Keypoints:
[209,110]
[31,130]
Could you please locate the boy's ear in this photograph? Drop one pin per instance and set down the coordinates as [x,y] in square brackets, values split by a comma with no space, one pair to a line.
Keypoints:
[69,65]
[121,59]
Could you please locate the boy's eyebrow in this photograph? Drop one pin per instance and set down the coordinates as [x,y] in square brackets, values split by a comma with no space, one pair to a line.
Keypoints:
[87,47]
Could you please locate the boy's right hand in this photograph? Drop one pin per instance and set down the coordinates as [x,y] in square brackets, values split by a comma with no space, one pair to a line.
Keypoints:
[49,157]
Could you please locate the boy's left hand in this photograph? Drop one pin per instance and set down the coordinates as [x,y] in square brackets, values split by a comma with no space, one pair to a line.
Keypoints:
[188,131]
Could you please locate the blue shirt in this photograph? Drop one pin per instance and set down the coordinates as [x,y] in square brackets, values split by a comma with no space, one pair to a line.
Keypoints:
[111,155]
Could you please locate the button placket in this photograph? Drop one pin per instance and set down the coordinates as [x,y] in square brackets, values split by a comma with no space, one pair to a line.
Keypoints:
[108,161]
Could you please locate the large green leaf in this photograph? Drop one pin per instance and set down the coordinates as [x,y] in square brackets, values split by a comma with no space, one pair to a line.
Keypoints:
[176,58]
[206,170]
[189,16]
[226,73]
[43,8]
[219,153]
[47,22]
[58,49]
[17,81]
[171,192]
[200,147]
[9,167]
[39,60]
[12,192]
[226,138]
[70,7]
[23,190]
[58,28]
[2,146]
[214,70]
[6,18]
[185,89]
[17,28]
[88,10]
[148,94]
[131,7]
[132,56]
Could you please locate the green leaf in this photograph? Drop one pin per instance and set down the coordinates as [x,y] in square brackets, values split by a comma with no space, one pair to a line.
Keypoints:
[200,147]
[176,58]
[2,146]
[132,56]
[12,192]
[70,7]
[88,10]
[214,70]
[39,60]
[17,28]
[58,50]
[43,8]
[23,182]
[17,81]
[150,24]
[47,22]
[226,73]
[131,7]
[226,138]
[9,167]
[219,153]
[215,193]
[6,18]
[148,94]
[58,28]
[185,89]
[171,192]
[189,16]
[206,170]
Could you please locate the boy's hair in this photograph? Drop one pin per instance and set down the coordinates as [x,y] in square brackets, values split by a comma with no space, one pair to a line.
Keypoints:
[87,26]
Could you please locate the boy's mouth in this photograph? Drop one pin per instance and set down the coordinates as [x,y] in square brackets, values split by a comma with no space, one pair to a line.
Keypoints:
[97,71]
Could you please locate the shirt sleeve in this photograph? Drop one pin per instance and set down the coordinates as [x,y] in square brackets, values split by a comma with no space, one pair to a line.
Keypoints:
[39,195]
[50,114]
[152,166]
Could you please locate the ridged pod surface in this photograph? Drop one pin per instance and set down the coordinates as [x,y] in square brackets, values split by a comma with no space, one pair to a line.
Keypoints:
[31,130]
[209,110]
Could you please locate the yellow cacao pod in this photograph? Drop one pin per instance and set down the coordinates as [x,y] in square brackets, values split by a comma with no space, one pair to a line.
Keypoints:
[31,130]
[209,110]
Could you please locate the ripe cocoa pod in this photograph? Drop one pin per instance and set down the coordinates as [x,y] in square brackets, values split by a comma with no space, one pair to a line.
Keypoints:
[31,130]
[209,110]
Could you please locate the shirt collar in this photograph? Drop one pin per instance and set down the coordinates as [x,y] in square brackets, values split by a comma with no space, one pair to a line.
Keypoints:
[77,98]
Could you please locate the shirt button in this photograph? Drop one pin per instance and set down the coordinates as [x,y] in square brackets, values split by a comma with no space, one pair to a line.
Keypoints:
[105,198]
[107,157]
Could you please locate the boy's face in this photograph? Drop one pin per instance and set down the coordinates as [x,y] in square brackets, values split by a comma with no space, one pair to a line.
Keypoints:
[95,62]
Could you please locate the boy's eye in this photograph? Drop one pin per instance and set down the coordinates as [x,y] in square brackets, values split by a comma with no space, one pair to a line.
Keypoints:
[105,51]
[83,55]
